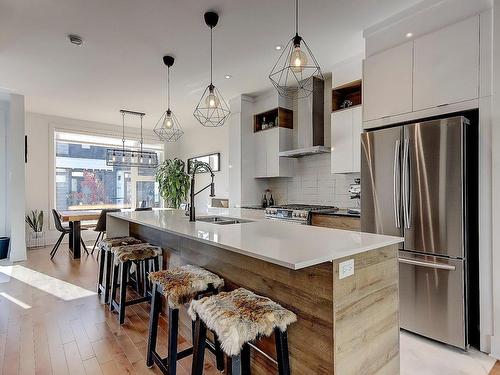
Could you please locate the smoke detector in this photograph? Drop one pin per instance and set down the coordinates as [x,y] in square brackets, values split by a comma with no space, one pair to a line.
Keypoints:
[75,39]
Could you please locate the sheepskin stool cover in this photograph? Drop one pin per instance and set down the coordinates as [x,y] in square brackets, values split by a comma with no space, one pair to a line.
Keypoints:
[109,243]
[239,317]
[135,252]
[181,284]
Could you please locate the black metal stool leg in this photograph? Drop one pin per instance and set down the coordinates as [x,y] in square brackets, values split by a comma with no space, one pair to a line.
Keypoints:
[219,354]
[108,259]
[199,347]
[173,331]
[245,360]
[123,291]
[153,324]
[156,263]
[102,262]
[114,285]
[282,352]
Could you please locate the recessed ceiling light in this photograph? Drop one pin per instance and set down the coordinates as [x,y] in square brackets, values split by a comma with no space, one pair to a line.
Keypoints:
[228,76]
[409,35]
[75,39]
[279,47]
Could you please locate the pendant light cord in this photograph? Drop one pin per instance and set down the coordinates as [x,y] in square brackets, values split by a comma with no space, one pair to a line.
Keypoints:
[141,134]
[168,88]
[123,131]
[211,55]
[297,17]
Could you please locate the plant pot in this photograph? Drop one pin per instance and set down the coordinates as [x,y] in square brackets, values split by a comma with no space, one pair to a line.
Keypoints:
[4,247]
[36,239]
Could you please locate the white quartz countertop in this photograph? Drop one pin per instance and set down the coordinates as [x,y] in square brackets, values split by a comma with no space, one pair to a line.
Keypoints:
[289,245]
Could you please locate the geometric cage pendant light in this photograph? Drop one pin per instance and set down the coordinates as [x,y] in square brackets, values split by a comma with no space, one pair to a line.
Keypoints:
[212,110]
[292,75]
[168,128]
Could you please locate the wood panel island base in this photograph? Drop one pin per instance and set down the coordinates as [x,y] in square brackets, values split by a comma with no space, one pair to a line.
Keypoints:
[345,325]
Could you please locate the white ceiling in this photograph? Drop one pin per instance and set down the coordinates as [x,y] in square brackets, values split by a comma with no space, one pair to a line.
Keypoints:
[120,64]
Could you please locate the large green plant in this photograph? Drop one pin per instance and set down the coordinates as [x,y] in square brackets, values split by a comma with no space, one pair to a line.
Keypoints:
[173,182]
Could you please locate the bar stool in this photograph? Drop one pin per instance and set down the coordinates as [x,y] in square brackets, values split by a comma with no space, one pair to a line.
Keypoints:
[179,285]
[106,260]
[238,318]
[141,256]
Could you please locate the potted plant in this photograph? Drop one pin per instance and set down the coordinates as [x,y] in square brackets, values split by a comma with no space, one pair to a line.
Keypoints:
[35,222]
[173,182]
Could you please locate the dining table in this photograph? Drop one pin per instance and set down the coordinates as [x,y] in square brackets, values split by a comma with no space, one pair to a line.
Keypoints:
[75,218]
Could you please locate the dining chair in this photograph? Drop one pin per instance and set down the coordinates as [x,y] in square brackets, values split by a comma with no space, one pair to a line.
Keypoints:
[101,226]
[64,231]
[144,209]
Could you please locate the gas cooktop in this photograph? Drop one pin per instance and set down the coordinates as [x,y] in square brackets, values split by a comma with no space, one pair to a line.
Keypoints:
[305,207]
[296,213]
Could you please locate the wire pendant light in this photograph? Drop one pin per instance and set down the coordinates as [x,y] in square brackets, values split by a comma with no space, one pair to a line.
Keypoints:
[123,157]
[168,128]
[212,110]
[293,73]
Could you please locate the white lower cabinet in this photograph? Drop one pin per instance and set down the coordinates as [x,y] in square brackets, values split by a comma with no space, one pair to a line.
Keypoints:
[268,143]
[346,146]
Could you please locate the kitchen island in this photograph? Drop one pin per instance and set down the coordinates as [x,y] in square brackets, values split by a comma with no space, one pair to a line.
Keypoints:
[346,325]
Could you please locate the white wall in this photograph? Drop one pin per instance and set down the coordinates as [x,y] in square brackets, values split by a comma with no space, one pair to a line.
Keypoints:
[3,167]
[12,197]
[40,167]
[199,140]
[495,209]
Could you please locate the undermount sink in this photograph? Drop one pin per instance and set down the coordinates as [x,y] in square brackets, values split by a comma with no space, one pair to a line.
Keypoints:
[222,220]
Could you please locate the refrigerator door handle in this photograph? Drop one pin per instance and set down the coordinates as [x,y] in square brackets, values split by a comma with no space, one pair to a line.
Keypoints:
[422,263]
[406,183]
[396,183]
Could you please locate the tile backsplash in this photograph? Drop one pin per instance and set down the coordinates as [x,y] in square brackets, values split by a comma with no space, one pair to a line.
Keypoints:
[314,184]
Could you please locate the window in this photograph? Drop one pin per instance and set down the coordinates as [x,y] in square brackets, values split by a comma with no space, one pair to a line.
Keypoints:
[84,181]
[213,160]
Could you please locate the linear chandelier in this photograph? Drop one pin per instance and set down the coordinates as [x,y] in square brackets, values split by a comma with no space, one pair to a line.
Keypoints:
[292,75]
[212,110]
[122,157]
[168,128]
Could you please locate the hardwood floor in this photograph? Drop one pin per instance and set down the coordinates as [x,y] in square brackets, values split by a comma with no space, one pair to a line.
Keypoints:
[52,322]
[496,369]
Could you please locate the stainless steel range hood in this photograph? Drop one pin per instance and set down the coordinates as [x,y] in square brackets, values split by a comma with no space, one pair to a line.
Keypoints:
[310,124]
[299,152]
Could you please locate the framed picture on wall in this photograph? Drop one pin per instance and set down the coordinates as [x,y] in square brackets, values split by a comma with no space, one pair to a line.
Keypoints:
[211,159]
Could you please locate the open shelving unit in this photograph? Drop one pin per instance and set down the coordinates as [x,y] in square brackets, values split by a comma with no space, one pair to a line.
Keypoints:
[284,116]
[350,91]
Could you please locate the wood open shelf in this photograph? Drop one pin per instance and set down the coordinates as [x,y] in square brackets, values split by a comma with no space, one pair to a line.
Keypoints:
[284,116]
[350,91]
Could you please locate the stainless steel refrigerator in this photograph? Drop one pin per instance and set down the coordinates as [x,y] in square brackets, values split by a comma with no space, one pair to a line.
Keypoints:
[414,185]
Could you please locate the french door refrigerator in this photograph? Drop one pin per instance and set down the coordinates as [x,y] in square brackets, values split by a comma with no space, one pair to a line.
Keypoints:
[414,185]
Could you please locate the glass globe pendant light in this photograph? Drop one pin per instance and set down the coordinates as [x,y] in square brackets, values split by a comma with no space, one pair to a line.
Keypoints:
[168,128]
[212,110]
[296,68]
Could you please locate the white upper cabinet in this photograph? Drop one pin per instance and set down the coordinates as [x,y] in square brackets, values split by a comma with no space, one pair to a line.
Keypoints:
[387,82]
[268,143]
[446,65]
[346,149]
[357,129]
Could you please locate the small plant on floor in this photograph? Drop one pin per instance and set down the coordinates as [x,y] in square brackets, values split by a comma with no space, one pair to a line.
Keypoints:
[35,221]
[173,182]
